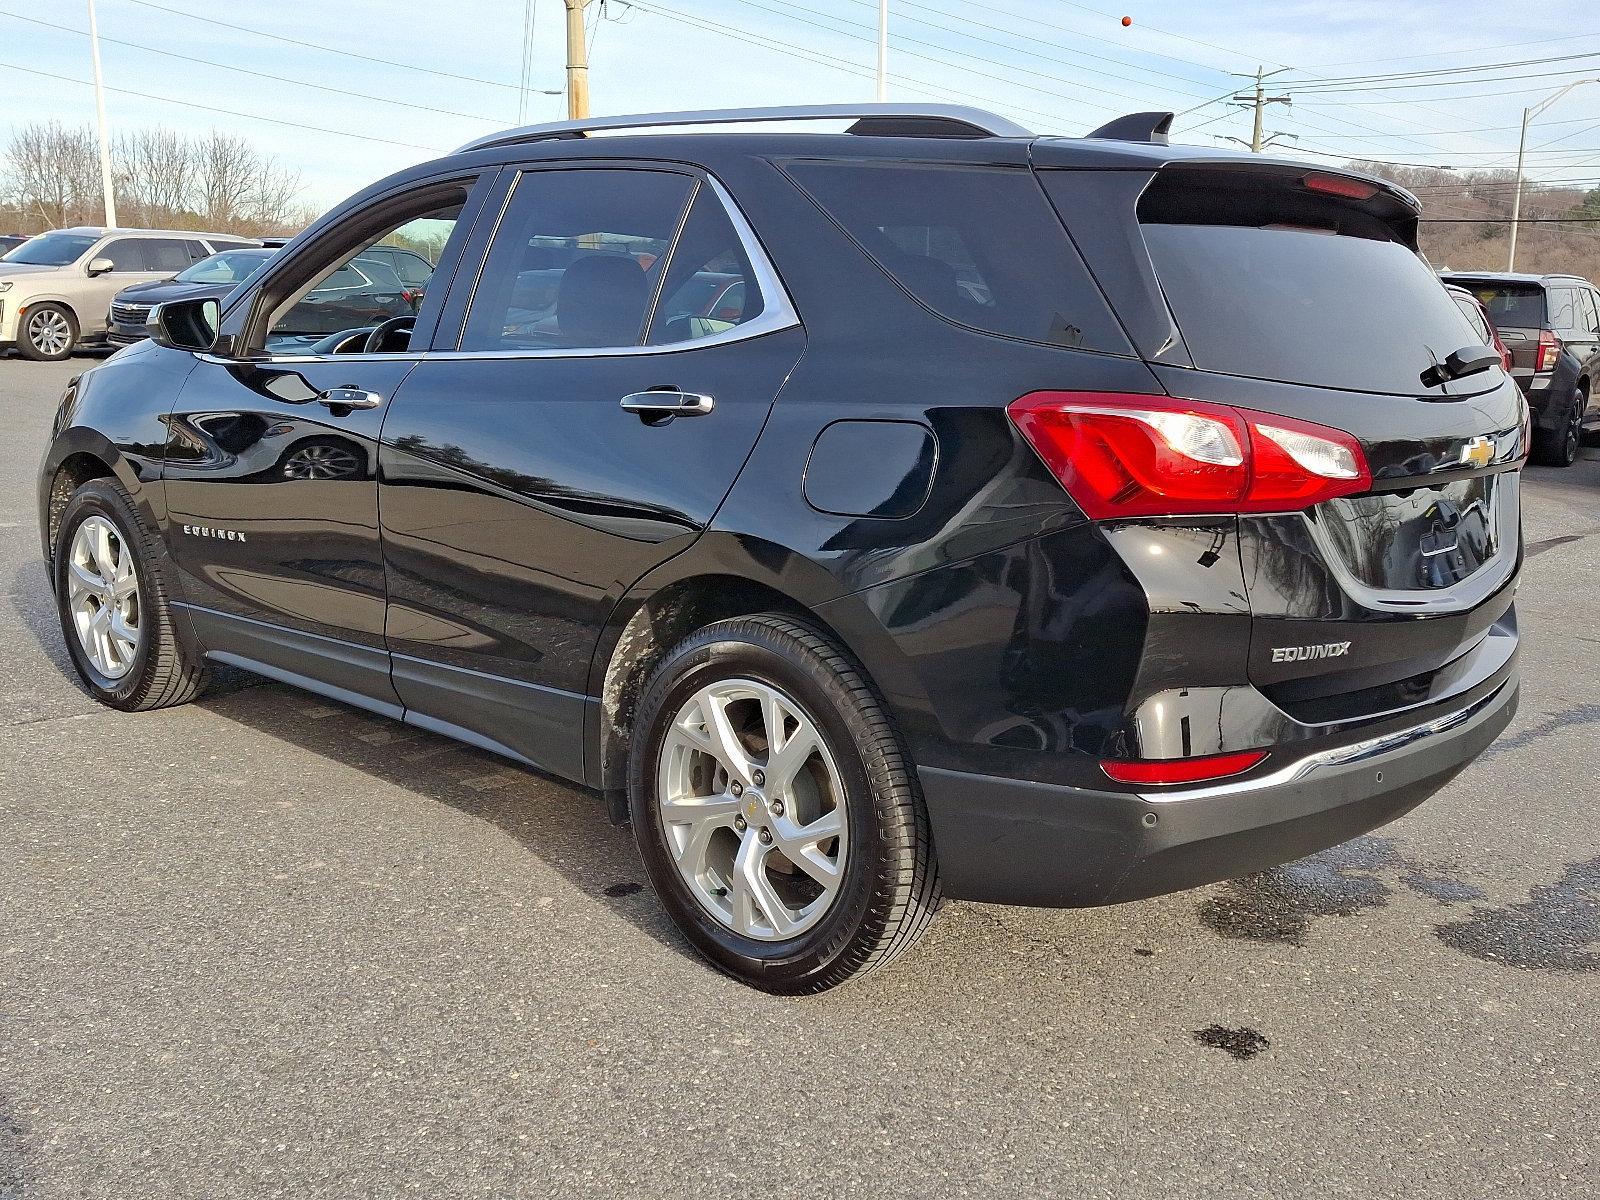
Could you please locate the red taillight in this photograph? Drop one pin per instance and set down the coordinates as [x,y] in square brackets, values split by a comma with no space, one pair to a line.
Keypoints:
[1549,351]
[1338,185]
[1182,770]
[1121,455]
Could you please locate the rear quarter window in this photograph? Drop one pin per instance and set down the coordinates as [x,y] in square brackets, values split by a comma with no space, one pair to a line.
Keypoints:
[980,246]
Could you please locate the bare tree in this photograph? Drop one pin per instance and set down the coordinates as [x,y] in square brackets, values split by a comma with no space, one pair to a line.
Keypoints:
[52,173]
[155,175]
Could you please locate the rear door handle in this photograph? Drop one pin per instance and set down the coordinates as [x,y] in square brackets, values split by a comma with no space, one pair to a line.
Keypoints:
[349,397]
[666,403]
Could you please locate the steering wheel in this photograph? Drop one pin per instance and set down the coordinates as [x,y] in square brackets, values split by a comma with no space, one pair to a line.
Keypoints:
[381,332]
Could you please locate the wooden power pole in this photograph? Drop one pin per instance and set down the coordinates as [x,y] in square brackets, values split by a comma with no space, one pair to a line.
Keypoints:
[577,62]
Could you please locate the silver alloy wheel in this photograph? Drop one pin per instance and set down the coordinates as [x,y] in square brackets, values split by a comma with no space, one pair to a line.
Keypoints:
[753,808]
[103,596]
[49,331]
[320,462]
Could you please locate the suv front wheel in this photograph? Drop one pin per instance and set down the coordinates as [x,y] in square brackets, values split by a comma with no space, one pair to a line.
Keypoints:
[775,810]
[48,333]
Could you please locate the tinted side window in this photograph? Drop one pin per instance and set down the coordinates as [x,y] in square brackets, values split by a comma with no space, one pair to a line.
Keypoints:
[198,252]
[709,286]
[126,254]
[575,262]
[979,245]
[1587,318]
[166,254]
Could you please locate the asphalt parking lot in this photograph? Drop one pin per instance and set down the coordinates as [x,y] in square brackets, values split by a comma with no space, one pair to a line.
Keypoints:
[269,946]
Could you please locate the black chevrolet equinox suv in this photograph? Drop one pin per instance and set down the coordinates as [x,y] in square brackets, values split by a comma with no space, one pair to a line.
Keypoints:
[909,509]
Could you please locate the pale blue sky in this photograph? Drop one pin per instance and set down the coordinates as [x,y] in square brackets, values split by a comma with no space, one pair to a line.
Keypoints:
[1053,66]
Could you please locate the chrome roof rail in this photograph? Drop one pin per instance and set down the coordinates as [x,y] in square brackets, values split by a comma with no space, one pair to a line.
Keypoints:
[924,120]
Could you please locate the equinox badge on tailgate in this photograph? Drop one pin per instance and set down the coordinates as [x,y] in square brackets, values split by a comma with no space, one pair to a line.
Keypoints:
[1307,653]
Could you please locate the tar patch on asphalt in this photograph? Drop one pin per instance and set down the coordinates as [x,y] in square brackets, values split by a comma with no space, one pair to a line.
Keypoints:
[624,889]
[1556,929]
[1280,905]
[1242,1043]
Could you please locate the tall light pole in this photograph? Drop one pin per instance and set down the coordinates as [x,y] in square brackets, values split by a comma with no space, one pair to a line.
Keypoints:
[883,49]
[1528,114]
[100,116]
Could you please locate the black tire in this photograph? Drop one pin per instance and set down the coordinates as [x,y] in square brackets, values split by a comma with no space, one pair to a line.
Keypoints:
[890,886]
[162,672]
[1559,447]
[29,326]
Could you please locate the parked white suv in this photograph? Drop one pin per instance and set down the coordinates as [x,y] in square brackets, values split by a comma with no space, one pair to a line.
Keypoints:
[55,288]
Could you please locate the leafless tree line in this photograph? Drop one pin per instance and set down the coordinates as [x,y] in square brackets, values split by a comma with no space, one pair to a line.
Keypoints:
[219,182]
[1472,213]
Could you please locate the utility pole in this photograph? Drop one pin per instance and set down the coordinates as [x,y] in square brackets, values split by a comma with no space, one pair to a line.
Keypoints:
[100,115]
[577,62]
[883,50]
[1258,100]
[1528,114]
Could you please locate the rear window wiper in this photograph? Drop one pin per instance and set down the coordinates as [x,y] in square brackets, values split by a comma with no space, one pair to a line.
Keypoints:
[1469,360]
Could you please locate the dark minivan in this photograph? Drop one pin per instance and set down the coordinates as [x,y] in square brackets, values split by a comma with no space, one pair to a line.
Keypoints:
[1051,521]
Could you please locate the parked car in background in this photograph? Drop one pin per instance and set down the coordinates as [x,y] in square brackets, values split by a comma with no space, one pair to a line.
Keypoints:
[215,276]
[55,289]
[10,241]
[1008,543]
[413,269]
[1478,317]
[1551,325]
[361,294]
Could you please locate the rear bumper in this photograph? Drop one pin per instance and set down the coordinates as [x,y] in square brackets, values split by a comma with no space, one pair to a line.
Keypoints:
[1010,841]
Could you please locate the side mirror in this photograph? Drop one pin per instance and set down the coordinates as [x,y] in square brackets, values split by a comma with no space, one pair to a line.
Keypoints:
[99,266]
[185,324]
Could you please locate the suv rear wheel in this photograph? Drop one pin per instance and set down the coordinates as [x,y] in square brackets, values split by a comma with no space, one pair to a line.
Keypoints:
[776,812]
[48,333]
[112,599]
[1559,447]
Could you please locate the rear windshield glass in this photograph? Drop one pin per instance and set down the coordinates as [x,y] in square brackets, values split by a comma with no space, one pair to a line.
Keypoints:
[1305,306]
[1269,279]
[980,246]
[1513,306]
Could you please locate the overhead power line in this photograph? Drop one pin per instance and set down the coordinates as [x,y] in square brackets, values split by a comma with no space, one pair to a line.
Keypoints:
[1526,62]
[299,83]
[302,42]
[228,112]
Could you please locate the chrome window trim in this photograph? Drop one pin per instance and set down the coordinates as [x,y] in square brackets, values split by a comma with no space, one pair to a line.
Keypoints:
[777,310]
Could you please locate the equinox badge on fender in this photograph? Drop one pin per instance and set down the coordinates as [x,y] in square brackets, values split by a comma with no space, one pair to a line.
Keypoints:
[1307,653]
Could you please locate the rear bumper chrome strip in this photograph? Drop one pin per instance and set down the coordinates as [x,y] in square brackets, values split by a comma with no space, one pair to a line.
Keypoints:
[1337,756]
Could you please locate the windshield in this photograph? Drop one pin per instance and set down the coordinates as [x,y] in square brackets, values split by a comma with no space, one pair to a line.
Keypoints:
[228,267]
[52,249]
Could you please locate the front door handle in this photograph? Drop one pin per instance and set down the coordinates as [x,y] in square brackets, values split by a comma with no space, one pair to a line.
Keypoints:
[349,397]
[662,404]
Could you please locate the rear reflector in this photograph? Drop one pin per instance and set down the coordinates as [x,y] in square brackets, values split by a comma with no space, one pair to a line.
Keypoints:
[1182,770]
[1121,455]
[1338,185]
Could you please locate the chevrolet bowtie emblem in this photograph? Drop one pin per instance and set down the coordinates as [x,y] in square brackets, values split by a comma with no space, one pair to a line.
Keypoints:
[1479,452]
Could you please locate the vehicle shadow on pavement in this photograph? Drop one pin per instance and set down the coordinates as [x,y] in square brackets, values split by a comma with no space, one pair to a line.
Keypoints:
[563,825]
